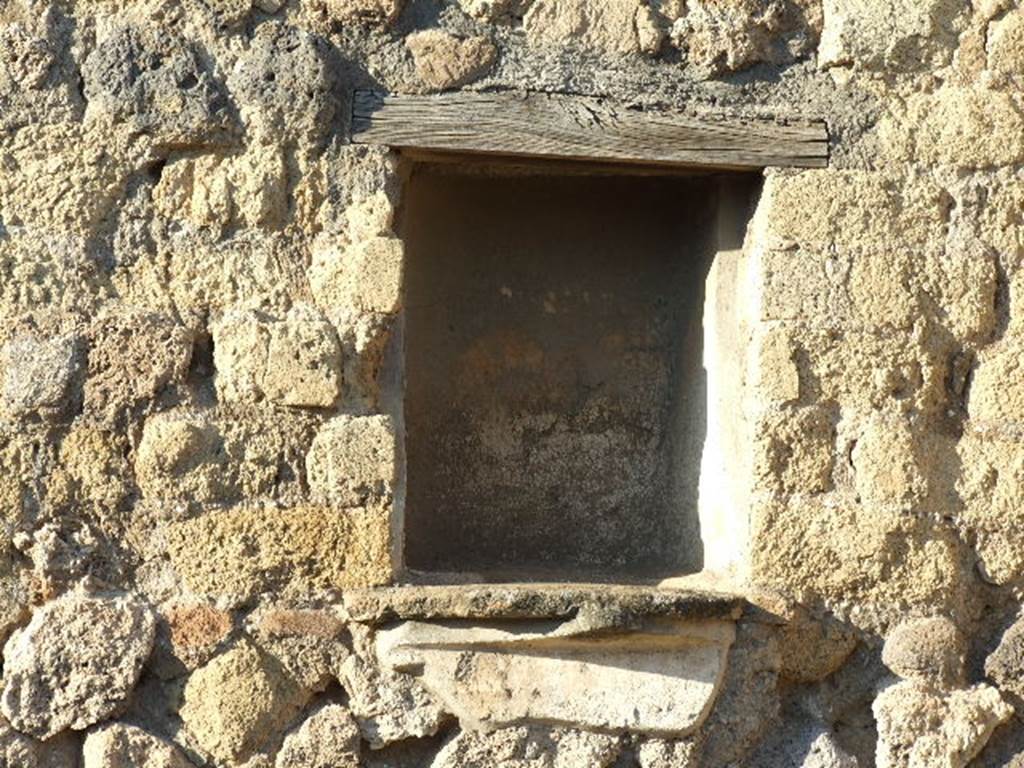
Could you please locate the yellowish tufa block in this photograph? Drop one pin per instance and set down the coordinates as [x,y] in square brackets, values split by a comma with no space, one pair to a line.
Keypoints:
[238,553]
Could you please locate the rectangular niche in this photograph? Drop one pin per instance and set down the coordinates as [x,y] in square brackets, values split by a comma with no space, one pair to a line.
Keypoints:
[555,393]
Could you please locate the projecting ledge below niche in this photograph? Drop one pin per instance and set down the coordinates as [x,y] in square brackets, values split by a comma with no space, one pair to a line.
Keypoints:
[611,658]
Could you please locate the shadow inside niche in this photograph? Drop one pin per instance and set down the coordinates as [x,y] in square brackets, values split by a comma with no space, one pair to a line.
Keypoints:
[555,394]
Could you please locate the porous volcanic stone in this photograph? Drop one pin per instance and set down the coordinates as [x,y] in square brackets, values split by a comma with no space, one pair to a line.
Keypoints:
[20,751]
[926,649]
[445,61]
[75,663]
[328,738]
[38,374]
[389,707]
[125,746]
[351,462]
[240,701]
[529,748]
[1005,665]
[918,725]
[157,82]
[364,11]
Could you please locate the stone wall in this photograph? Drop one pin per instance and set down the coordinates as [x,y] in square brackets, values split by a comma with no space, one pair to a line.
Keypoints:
[202,464]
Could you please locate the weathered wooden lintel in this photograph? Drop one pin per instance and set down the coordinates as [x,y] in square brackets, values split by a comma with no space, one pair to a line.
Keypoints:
[540,125]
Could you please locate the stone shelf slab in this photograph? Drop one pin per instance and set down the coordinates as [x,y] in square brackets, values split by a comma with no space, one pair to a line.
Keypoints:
[616,602]
[602,657]
[659,678]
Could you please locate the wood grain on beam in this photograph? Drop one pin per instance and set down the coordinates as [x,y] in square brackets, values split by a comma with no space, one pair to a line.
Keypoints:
[569,127]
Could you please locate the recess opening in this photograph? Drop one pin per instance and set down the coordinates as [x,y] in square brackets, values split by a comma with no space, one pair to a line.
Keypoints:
[555,391]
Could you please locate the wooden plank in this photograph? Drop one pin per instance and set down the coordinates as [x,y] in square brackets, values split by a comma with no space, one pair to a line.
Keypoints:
[506,165]
[540,125]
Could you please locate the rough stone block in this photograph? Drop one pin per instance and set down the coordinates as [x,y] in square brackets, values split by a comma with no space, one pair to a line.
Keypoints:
[191,458]
[812,648]
[495,11]
[291,622]
[997,387]
[366,276]
[795,450]
[528,747]
[191,632]
[225,192]
[240,348]
[957,126]
[151,78]
[203,276]
[1005,665]
[992,489]
[182,457]
[364,341]
[389,707]
[238,553]
[238,702]
[95,462]
[75,664]
[833,549]
[295,361]
[882,289]
[963,289]
[840,289]
[303,362]
[126,746]
[919,725]
[20,751]
[26,60]
[14,597]
[651,30]
[867,371]
[20,451]
[328,738]
[776,375]
[369,217]
[309,643]
[63,555]
[44,270]
[887,465]
[930,649]
[1005,45]
[66,177]
[879,291]
[133,358]
[365,11]
[719,38]
[857,210]
[608,27]
[285,84]
[660,753]
[39,376]
[899,35]
[352,462]
[240,341]
[797,284]
[445,61]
